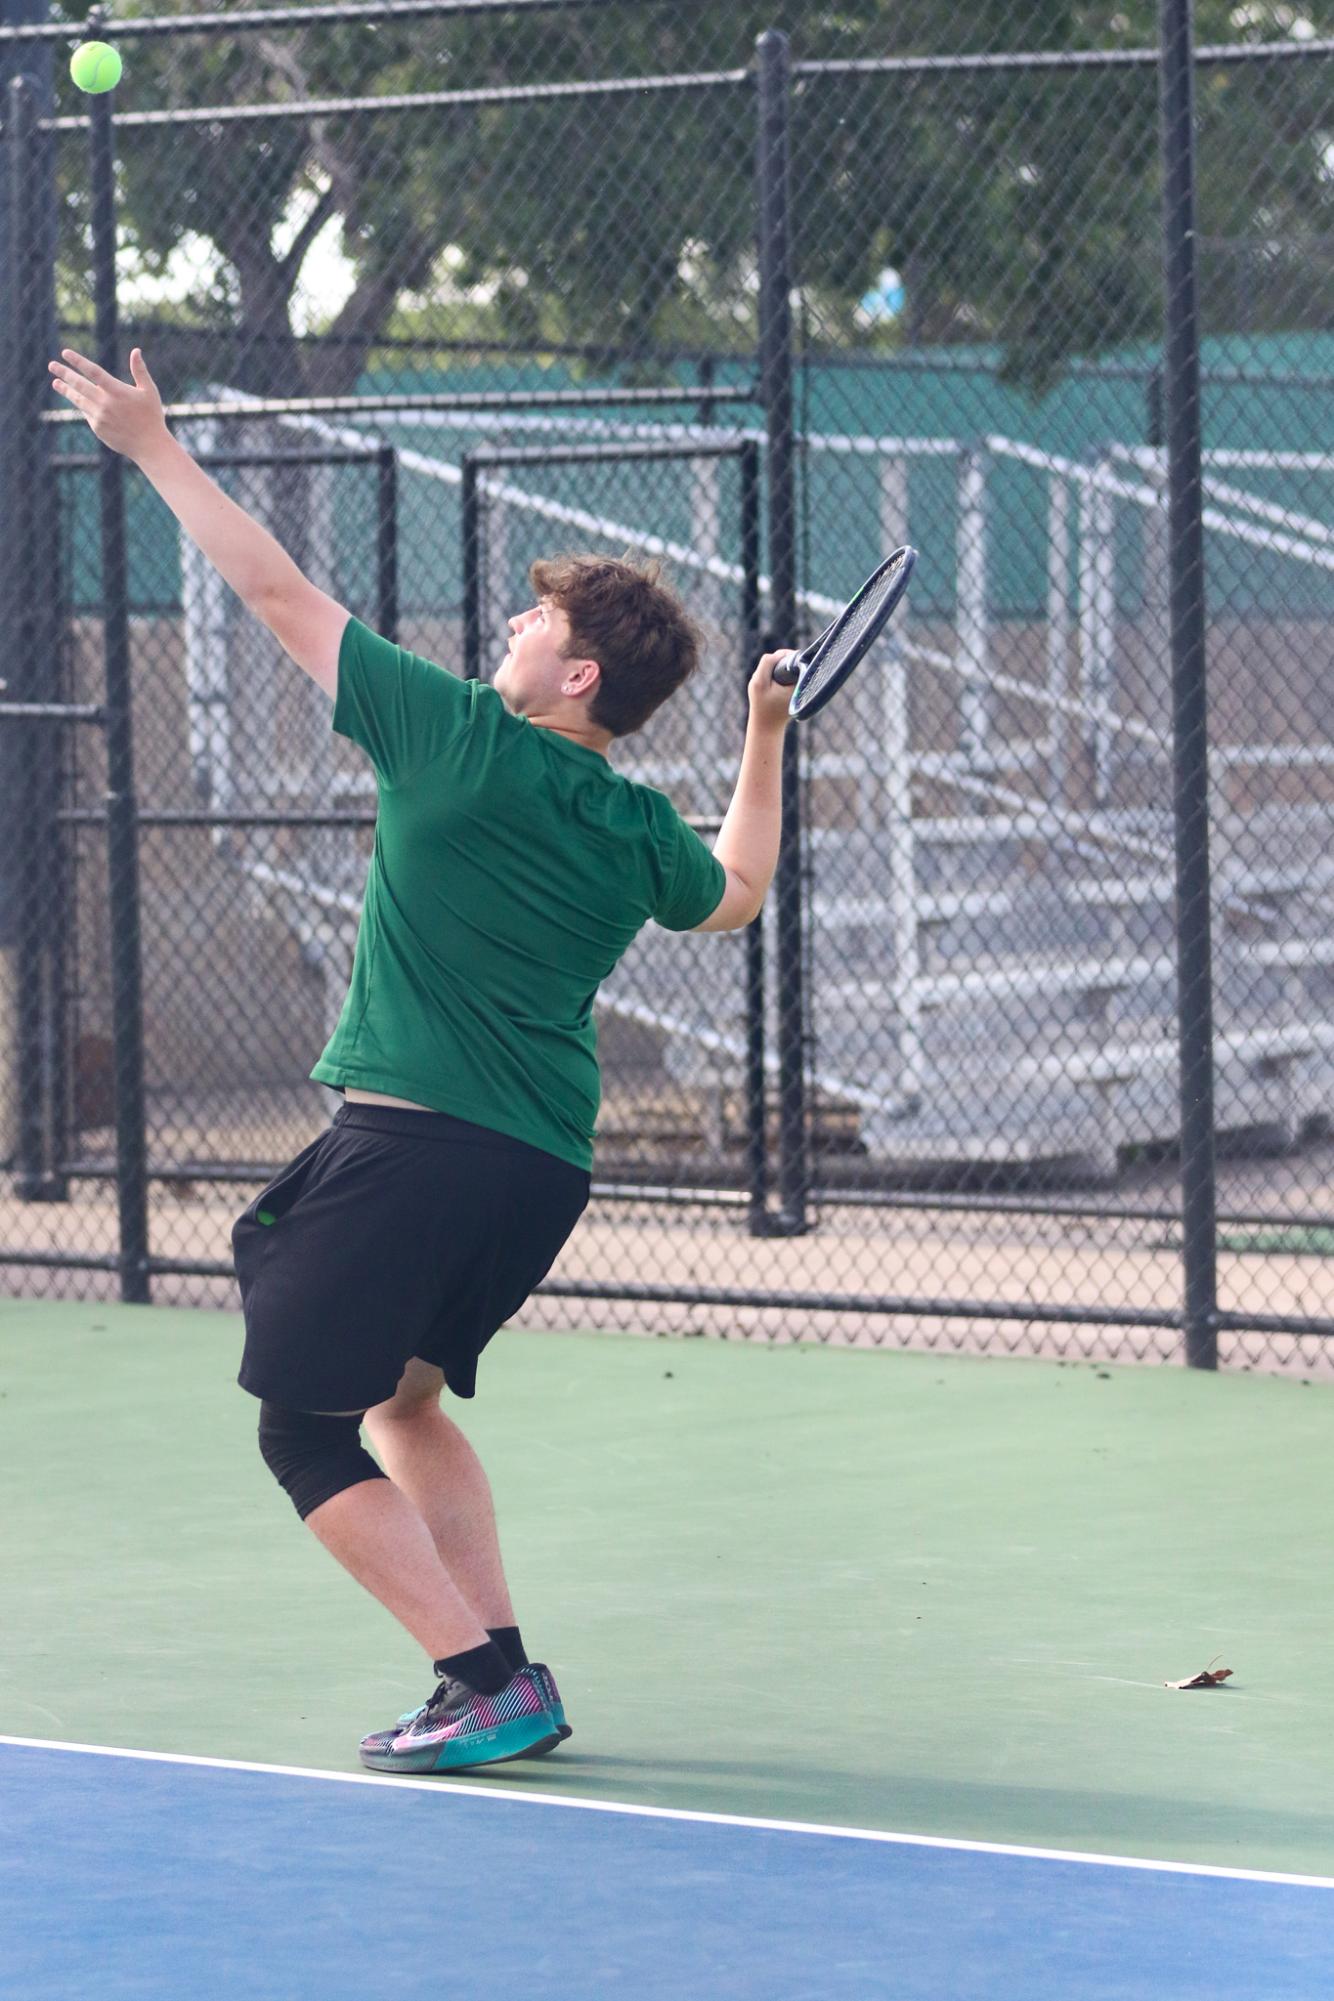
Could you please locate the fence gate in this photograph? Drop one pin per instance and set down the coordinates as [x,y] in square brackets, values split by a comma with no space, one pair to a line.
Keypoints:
[197,858]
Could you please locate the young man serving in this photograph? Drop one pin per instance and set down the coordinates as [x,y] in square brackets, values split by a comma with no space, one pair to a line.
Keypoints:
[512,868]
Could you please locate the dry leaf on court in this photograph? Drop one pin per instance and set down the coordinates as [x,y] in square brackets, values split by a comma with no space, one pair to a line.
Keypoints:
[1209,1677]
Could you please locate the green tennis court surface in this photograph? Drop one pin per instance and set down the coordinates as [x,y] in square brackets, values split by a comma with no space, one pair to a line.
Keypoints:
[869,1590]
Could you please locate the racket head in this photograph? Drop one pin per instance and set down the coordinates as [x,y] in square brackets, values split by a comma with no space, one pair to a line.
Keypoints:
[818,672]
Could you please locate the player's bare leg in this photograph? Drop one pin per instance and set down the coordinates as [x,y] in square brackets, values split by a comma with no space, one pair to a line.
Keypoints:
[436,1475]
[377,1535]
[428,1458]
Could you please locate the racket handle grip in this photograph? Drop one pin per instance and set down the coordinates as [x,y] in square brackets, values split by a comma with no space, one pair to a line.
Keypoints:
[787,673]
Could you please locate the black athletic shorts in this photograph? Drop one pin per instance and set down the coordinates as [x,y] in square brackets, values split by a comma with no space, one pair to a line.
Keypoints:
[394,1234]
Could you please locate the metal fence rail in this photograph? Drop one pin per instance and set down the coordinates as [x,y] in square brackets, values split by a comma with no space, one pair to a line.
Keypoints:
[1036,1033]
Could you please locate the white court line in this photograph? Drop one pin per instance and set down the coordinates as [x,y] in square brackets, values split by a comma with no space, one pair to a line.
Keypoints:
[444,1784]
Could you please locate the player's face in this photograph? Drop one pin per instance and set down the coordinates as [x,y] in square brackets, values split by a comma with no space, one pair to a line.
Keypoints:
[534,666]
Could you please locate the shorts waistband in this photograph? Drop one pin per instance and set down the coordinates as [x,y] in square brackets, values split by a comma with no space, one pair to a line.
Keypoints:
[428,1125]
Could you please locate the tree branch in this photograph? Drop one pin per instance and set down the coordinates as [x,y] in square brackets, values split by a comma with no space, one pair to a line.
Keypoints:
[326,206]
[344,184]
[332,369]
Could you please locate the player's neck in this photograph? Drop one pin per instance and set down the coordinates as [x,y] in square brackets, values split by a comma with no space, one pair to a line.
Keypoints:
[589,737]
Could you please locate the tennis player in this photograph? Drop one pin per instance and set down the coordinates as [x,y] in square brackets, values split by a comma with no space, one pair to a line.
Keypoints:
[512,868]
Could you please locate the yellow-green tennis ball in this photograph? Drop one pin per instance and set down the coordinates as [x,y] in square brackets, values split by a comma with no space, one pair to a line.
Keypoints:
[95,67]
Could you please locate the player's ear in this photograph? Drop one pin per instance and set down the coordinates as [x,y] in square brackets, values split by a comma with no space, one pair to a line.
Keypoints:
[581,677]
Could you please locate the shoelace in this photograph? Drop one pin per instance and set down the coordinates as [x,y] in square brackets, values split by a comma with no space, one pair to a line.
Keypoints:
[449,1694]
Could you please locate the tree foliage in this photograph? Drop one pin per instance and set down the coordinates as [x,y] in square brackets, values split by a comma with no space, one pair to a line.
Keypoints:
[1021,209]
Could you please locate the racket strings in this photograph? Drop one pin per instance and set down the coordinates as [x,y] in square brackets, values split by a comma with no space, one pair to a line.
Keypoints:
[848,631]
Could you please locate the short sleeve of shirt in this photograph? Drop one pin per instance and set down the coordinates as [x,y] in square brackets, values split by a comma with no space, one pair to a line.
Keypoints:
[403,711]
[694,879]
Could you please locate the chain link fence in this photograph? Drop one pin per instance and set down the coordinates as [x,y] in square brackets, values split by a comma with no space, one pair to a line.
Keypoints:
[435,289]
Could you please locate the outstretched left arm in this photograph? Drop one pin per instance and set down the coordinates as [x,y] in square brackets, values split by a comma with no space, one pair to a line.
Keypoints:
[128,418]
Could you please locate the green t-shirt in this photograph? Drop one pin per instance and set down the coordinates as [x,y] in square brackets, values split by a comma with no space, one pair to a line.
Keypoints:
[512,868]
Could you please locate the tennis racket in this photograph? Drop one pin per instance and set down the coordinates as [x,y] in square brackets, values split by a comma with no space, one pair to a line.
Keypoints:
[820,669]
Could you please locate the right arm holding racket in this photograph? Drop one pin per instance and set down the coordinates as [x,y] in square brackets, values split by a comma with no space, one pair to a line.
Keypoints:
[747,843]
[792,685]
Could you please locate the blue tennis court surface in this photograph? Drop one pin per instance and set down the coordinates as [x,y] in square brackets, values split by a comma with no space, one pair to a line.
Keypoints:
[134,1876]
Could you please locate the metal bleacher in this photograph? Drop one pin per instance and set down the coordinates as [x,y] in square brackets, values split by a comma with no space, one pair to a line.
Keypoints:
[1041,1029]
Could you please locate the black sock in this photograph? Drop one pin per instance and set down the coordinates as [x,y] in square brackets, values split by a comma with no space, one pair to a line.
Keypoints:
[507,1639]
[484,1669]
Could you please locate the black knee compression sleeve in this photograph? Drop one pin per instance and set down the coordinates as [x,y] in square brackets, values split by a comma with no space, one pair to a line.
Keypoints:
[312,1457]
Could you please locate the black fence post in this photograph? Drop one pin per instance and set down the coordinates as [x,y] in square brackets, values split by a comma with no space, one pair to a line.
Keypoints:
[386,542]
[775,359]
[33,871]
[24,745]
[122,805]
[49,878]
[757,1139]
[62,901]
[1190,716]
[472,558]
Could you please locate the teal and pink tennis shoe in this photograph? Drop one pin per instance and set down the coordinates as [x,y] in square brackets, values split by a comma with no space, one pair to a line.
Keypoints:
[457,1728]
[545,1682]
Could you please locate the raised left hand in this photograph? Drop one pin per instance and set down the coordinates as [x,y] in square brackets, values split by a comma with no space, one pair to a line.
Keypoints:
[126,416]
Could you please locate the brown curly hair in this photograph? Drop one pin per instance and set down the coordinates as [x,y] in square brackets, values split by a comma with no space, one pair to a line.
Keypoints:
[623,616]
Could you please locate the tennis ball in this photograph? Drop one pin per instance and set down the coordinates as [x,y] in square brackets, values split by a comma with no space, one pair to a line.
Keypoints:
[95,67]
